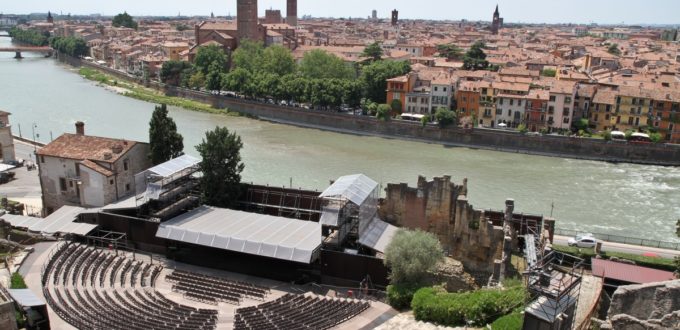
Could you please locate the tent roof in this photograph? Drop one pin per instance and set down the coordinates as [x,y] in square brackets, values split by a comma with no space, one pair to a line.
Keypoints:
[174,165]
[63,221]
[378,235]
[252,233]
[25,297]
[357,188]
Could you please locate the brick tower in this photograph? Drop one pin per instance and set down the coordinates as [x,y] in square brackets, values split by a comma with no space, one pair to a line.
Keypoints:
[291,13]
[496,23]
[395,17]
[246,19]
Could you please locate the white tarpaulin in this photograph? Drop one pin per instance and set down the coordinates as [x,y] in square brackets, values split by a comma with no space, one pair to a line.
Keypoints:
[20,221]
[252,233]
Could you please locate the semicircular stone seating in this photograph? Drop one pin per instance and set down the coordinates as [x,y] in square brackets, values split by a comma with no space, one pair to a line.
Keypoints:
[94,289]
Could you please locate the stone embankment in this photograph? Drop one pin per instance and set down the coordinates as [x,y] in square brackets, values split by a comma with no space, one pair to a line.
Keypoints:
[652,306]
[507,141]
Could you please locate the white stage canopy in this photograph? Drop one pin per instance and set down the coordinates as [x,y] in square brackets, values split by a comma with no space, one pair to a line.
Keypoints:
[357,188]
[252,233]
[20,221]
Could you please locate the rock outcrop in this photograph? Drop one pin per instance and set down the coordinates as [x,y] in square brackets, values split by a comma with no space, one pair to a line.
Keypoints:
[649,306]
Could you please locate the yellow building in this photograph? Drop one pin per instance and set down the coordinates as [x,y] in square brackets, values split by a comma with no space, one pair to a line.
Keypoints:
[602,110]
[633,106]
[173,49]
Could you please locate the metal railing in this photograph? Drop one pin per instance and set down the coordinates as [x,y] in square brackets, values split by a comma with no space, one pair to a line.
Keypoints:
[622,239]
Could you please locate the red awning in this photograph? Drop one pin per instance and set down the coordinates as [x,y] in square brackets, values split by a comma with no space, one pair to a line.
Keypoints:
[629,273]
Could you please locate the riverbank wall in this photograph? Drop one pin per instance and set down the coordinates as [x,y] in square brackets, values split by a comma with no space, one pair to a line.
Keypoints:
[508,141]
[498,140]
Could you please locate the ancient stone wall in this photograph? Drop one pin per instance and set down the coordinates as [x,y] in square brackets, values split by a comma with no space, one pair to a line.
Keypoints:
[645,306]
[441,207]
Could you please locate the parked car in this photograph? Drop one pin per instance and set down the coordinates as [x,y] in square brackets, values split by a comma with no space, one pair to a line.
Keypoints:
[583,241]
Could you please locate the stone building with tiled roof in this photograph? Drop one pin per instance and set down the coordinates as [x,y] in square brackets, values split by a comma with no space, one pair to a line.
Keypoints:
[89,171]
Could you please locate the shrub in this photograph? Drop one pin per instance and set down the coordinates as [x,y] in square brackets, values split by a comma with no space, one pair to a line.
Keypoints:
[445,117]
[511,321]
[399,296]
[478,307]
[607,135]
[522,129]
[17,281]
[411,255]
[425,120]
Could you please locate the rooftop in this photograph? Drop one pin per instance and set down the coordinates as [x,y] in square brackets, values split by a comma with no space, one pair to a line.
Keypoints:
[629,273]
[84,147]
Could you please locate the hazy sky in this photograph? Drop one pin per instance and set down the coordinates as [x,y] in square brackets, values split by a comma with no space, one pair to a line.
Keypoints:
[549,11]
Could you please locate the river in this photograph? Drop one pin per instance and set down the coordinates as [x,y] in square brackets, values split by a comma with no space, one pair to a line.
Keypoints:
[620,199]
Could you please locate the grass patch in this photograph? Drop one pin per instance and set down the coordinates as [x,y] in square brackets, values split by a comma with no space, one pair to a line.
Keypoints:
[150,95]
[399,296]
[513,321]
[587,254]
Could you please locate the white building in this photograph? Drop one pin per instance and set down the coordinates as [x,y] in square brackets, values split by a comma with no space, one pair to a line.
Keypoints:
[441,93]
[561,104]
[89,171]
[510,109]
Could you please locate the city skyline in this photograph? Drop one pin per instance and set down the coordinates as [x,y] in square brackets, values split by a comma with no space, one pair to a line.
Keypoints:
[514,11]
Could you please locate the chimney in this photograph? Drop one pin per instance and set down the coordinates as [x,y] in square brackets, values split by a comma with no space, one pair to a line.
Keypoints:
[80,128]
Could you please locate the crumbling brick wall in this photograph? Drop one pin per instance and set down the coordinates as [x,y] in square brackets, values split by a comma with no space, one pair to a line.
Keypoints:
[441,207]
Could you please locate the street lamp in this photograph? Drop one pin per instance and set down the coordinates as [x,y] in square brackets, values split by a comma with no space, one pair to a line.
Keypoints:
[33,127]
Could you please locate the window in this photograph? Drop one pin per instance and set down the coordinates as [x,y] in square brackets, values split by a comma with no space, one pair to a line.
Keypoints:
[609,108]
[445,89]
[542,117]
[519,103]
[606,117]
[566,112]
[566,120]
[126,164]
[551,109]
[110,181]
[512,102]
[630,120]
[127,187]
[62,184]
[595,118]
[552,98]
[70,184]
[42,159]
[77,170]
[499,112]
[567,99]
[436,89]
[500,101]
[509,113]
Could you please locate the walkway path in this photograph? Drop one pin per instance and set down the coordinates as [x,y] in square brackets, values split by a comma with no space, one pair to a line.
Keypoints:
[625,248]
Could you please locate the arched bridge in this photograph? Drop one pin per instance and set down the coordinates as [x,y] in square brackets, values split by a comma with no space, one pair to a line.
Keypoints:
[22,49]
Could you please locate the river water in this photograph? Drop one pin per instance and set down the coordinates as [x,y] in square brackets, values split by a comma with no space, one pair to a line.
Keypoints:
[623,199]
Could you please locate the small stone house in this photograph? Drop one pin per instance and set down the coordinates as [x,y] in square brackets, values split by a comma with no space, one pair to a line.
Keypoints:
[89,171]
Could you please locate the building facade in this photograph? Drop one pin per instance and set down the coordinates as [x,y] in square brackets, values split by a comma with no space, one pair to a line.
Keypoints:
[89,171]
[6,138]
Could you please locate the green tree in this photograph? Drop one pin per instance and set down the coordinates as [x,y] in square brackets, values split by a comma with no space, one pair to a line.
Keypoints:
[213,80]
[614,49]
[278,60]
[319,64]
[164,140]
[29,36]
[411,255]
[581,124]
[373,51]
[655,137]
[207,55]
[450,51]
[522,129]
[396,106]
[475,58]
[196,81]
[72,46]
[238,80]
[383,112]
[248,56]
[171,72]
[221,167]
[352,93]
[374,78]
[124,20]
[445,117]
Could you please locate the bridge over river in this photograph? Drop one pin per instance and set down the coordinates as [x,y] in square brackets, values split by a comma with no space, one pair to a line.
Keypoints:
[22,49]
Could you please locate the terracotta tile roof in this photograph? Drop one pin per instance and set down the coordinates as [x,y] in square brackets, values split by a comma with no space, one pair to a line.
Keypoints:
[629,273]
[83,147]
[97,168]
[605,97]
